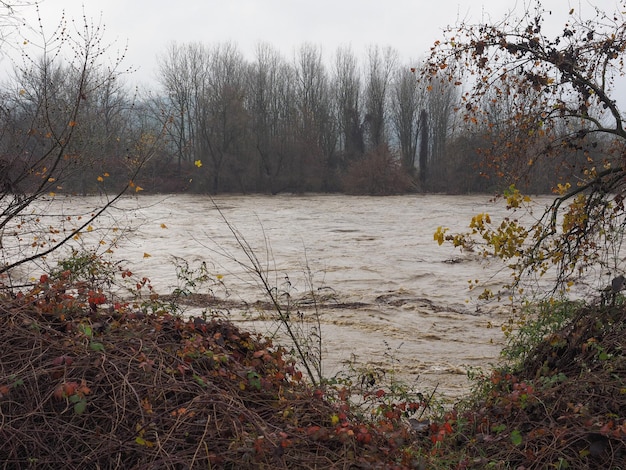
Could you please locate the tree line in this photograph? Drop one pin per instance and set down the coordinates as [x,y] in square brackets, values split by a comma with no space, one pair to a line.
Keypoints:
[217,122]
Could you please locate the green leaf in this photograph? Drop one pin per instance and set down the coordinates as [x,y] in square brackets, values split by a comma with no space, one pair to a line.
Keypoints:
[254,380]
[80,406]
[86,330]
[96,346]
[199,380]
[143,442]
[499,428]
[516,438]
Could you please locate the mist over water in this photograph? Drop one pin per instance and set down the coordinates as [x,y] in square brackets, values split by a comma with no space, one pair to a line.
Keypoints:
[397,299]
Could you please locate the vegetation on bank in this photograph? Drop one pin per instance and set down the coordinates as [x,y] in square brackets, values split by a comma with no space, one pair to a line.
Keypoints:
[92,379]
[97,370]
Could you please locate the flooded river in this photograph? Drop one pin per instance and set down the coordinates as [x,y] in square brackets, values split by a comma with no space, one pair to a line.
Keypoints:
[394,298]
[408,304]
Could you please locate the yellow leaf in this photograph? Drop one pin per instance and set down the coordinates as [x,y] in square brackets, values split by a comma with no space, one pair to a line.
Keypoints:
[138,188]
[219,277]
[147,255]
[163,226]
[100,178]
[106,174]
[198,163]
[439,235]
[22,92]
[143,442]
[90,229]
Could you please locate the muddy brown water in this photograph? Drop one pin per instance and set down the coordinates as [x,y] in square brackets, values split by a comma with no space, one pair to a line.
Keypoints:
[393,297]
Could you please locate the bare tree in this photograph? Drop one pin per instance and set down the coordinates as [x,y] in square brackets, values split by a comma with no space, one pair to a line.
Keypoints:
[105,138]
[441,100]
[271,104]
[316,129]
[406,102]
[567,77]
[181,70]
[10,18]
[347,87]
[41,117]
[222,117]
[381,65]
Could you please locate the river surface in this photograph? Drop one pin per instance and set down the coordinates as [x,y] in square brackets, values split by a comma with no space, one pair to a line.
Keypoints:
[394,299]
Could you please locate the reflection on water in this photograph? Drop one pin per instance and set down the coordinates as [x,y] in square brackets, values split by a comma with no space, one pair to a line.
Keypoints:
[410,306]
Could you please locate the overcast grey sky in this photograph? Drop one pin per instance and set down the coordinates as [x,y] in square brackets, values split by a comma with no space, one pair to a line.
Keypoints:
[409,26]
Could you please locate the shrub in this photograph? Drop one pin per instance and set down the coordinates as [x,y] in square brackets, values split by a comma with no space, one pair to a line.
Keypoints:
[379,173]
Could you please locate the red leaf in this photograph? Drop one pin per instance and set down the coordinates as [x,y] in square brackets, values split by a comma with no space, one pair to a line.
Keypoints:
[312,430]
[604,430]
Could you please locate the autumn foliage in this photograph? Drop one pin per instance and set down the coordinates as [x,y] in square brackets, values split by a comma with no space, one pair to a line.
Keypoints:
[91,380]
[562,407]
[97,370]
[545,99]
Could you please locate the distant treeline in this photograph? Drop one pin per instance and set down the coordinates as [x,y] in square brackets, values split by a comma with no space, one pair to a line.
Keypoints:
[220,123]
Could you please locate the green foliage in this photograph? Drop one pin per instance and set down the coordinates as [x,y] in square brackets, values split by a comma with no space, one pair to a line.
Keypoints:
[562,381]
[196,286]
[190,279]
[537,323]
[516,438]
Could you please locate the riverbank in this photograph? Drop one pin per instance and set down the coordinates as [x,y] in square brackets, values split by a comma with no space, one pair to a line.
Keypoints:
[89,380]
